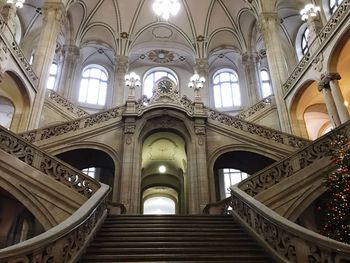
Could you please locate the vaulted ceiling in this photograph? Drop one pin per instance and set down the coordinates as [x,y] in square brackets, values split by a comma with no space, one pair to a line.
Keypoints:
[130,28]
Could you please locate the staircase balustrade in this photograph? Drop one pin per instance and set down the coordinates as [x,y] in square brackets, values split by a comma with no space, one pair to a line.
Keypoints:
[257,108]
[47,164]
[287,241]
[65,242]
[297,161]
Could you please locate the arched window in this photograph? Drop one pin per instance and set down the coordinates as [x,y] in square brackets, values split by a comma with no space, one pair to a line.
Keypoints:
[153,76]
[226,89]
[93,85]
[305,41]
[6,112]
[333,5]
[52,77]
[266,88]
[230,177]
[159,205]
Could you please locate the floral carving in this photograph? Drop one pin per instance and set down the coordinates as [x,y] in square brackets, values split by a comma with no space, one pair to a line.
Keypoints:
[66,104]
[256,108]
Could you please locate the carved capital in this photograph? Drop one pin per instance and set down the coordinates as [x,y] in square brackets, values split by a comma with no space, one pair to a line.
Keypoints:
[326,78]
[53,11]
[129,129]
[202,66]
[70,51]
[266,19]
[250,57]
[121,65]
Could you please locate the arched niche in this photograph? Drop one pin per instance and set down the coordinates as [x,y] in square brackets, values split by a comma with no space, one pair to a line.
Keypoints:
[13,91]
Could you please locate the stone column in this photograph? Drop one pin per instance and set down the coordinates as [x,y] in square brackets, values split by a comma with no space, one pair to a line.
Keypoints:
[120,70]
[328,98]
[332,80]
[250,60]
[202,68]
[70,61]
[53,15]
[8,12]
[269,27]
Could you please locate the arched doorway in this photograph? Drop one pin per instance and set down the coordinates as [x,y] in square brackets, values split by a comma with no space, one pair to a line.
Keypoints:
[232,167]
[163,173]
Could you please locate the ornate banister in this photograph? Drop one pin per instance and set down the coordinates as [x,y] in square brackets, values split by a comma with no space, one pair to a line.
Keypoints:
[287,241]
[262,131]
[256,108]
[218,208]
[290,165]
[69,106]
[74,125]
[65,242]
[47,164]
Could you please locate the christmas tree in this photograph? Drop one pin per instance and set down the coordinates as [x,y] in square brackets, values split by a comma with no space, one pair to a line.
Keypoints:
[336,208]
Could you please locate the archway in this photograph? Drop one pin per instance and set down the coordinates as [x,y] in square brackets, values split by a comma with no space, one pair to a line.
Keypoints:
[232,167]
[163,173]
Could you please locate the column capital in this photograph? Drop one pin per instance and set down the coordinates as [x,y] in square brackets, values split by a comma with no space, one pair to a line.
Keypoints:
[53,10]
[326,78]
[202,66]
[250,57]
[121,64]
[266,17]
[70,50]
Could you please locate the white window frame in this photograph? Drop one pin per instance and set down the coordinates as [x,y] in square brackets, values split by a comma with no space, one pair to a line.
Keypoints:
[234,105]
[83,95]
[52,79]
[265,81]
[229,177]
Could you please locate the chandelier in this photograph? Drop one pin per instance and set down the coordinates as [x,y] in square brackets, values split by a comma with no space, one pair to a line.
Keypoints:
[165,8]
[309,10]
[18,3]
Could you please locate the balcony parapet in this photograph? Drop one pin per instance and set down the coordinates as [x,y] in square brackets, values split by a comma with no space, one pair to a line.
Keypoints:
[340,16]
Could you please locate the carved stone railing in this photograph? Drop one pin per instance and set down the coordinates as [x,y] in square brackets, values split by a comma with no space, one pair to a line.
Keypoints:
[47,164]
[339,17]
[78,124]
[256,108]
[65,242]
[267,133]
[297,161]
[17,54]
[66,104]
[285,240]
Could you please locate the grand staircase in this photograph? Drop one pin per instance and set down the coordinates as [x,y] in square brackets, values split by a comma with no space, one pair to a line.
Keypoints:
[175,238]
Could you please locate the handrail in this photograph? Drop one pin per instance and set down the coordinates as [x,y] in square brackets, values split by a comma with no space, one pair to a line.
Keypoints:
[295,162]
[66,241]
[69,106]
[74,125]
[340,15]
[256,108]
[47,164]
[287,241]
[18,54]
[265,132]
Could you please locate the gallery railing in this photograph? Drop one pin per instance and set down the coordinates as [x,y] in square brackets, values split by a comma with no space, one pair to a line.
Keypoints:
[256,108]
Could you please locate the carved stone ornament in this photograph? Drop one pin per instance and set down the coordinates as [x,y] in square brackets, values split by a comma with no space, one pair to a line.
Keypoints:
[318,63]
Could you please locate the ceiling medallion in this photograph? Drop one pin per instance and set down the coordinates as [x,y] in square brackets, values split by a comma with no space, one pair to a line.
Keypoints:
[200,38]
[165,8]
[124,35]
[161,56]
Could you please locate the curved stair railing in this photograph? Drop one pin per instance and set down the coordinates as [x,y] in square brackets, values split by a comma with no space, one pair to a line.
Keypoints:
[257,108]
[285,240]
[66,241]
[294,163]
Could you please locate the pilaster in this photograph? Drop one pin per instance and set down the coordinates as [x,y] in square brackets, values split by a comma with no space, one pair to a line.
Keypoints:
[202,68]
[120,70]
[250,61]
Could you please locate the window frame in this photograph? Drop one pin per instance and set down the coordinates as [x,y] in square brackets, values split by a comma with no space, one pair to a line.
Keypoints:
[224,185]
[333,8]
[264,82]
[54,76]
[85,103]
[305,37]
[232,83]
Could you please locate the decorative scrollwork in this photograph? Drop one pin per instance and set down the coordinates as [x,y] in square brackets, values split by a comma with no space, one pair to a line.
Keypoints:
[256,108]
[55,97]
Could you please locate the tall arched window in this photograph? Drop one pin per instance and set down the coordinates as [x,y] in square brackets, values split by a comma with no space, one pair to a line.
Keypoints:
[93,85]
[226,89]
[151,77]
[266,88]
[305,41]
[52,77]
[333,5]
